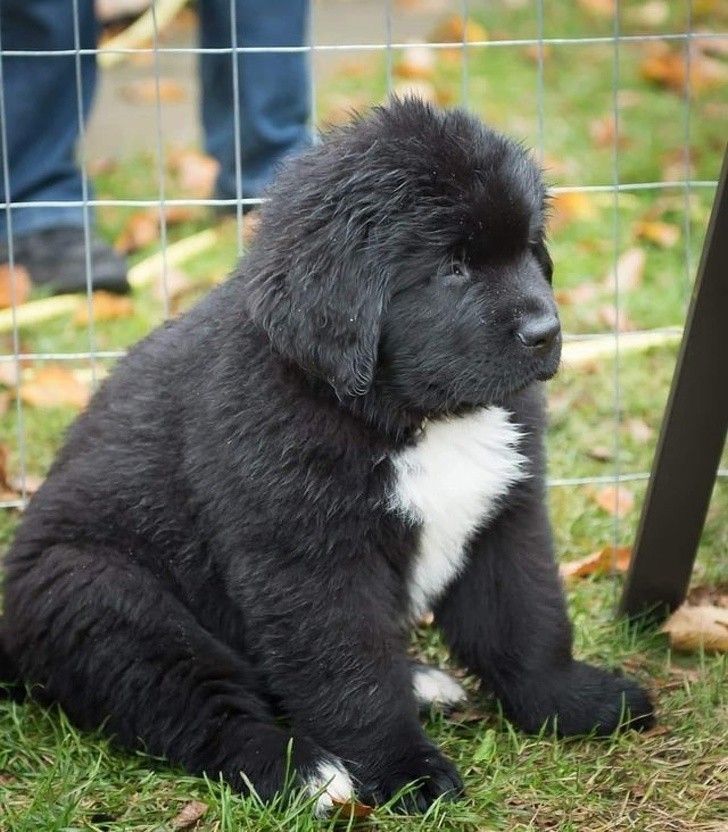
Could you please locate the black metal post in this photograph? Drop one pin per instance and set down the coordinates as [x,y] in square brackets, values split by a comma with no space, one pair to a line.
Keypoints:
[691,440]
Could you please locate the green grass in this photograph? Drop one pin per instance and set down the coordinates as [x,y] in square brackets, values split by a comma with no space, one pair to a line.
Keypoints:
[54,779]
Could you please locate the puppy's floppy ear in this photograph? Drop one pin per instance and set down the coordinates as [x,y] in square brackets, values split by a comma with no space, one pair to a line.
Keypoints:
[324,310]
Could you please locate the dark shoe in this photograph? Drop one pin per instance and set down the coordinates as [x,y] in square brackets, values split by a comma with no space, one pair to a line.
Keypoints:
[55,258]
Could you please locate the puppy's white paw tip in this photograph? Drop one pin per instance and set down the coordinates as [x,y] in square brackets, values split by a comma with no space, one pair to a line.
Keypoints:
[332,784]
[435,687]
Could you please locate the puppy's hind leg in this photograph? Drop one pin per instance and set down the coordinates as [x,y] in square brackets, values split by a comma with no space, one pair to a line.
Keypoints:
[434,688]
[111,644]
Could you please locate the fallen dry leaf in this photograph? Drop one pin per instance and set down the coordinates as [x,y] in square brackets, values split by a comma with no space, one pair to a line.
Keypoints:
[668,68]
[698,628]
[657,731]
[189,816]
[351,809]
[140,231]
[533,53]
[15,285]
[568,207]
[619,320]
[416,62]
[601,453]
[638,429]
[662,234]
[144,91]
[54,386]
[598,8]
[651,14]
[105,307]
[716,596]
[468,716]
[628,271]
[603,133]
[614,500]
[603,562]
[196,172]
[577,295]
[454,29]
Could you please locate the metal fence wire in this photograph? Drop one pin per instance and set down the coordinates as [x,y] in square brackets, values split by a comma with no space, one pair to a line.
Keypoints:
[378,31]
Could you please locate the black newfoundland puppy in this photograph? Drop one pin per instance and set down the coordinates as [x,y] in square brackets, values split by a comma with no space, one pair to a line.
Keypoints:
[225,557]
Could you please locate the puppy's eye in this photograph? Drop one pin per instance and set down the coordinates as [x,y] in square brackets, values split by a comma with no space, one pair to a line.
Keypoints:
[459,270]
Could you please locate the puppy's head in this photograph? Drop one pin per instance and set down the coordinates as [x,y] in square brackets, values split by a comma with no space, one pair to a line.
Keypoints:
[407,252]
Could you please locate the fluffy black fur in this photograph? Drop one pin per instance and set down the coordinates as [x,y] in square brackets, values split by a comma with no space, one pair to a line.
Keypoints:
[212,550]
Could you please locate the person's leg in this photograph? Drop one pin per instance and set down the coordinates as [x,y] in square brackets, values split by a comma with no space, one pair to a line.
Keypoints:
[273,89]
[41,127]
[41,108]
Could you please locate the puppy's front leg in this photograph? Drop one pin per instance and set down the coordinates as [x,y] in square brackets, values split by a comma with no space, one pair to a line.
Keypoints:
[342,676]
[505,618]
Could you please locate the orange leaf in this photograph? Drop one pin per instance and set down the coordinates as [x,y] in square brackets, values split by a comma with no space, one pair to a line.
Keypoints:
[140,231]
[662,234]
[604,134]
[568,207]
[577,295]
[196,172]
[698,628]
[627,272]
[615,500]
[189,816]
[598,8]
[608,316]
[601,453]
[54,386]
[105,307]
[454,29]
[14,285]
[144,91]
[351,809]
[638,429]
[603,562]
[416,62]
[669,68]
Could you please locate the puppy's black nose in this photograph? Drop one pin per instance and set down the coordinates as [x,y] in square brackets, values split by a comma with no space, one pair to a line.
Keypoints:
[538,332]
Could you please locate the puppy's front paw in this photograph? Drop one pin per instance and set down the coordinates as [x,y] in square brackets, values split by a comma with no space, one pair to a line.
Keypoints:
[581,700]
[431,774]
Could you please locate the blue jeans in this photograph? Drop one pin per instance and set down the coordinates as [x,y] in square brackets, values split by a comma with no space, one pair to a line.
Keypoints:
[41,99]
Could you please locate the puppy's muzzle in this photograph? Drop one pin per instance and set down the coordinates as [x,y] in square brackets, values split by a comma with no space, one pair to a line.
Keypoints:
[539,332]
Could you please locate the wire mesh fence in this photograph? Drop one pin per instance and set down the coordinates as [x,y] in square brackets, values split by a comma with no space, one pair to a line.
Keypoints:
[622,103]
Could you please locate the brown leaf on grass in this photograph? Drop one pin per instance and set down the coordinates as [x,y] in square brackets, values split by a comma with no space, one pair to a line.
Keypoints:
[533,53]
[54,386]
[609,316]
[638,429]
[668,68]
[568,207]
[105,306]
[190,815]
[613,500]
[698,628]
[454,29]
[15,285]
[650,14]
[467,717]
[140,231]
[603,133]
[709,595]
[598,8]
[603,562]
[351,809]
[144,91]
[196,172]
[678,164]
[577,295]
[661,234]
[657,731]
[416,62]
[601,453]
[628,271]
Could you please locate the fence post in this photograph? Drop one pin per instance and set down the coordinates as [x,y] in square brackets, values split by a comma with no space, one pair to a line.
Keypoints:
[691,439]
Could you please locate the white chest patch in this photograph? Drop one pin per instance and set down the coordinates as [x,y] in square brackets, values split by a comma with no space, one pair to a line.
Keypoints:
[450,484]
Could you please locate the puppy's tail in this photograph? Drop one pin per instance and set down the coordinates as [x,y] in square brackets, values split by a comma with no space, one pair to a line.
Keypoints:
[11,686]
